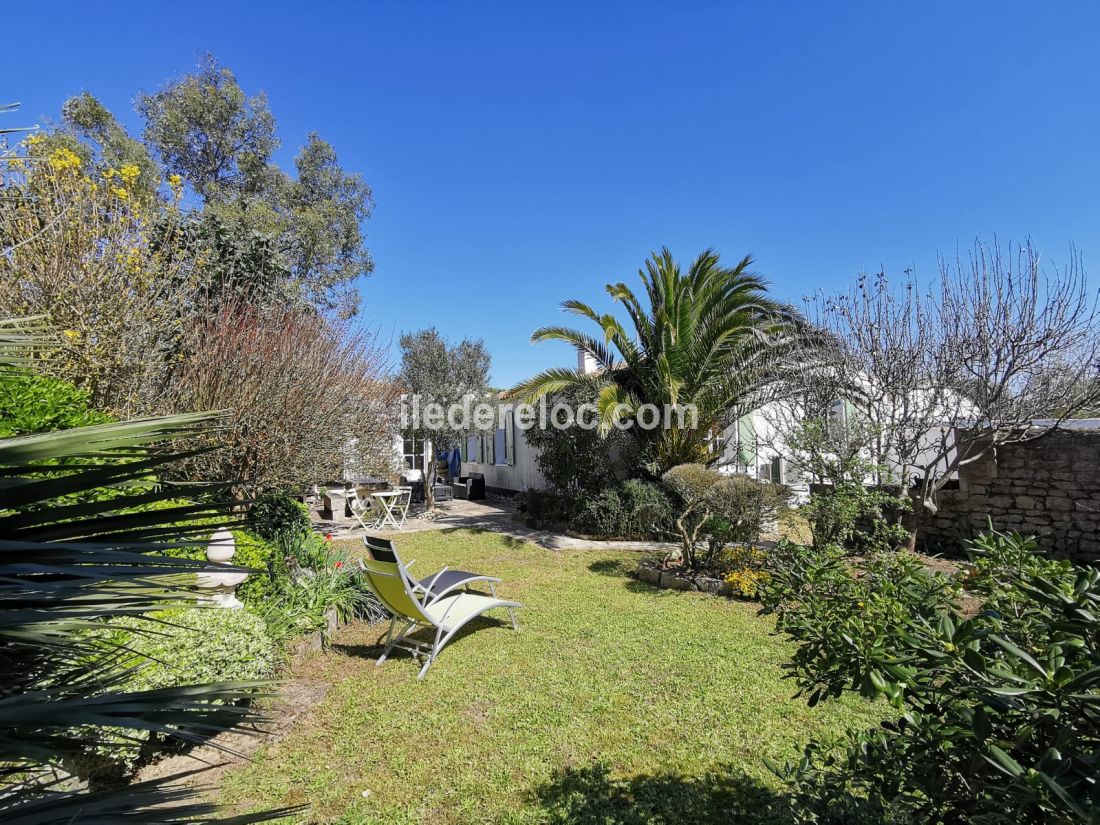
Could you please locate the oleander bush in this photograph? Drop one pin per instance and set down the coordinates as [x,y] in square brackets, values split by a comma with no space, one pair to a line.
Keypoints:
[997,707]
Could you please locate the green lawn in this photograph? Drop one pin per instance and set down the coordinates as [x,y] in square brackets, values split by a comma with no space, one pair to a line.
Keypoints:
[615,702]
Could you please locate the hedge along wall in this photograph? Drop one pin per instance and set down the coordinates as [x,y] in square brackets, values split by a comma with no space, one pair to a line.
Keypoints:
[1049,488]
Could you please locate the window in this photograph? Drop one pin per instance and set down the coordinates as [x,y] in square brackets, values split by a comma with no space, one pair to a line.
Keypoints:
[413,452]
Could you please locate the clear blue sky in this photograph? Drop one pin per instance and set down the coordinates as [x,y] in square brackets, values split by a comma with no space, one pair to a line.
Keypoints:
[525,153]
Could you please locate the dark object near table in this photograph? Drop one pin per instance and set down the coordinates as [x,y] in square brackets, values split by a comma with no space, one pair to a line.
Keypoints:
[417,488]
[475,486]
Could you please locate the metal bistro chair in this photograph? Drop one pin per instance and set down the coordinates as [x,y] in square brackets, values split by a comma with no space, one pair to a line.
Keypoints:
[363,511]
[402,507]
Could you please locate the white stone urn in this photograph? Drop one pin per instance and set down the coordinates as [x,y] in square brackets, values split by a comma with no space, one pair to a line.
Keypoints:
[220,588]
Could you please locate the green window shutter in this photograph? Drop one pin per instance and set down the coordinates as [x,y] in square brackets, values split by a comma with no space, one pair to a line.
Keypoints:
[746,440]
[509,439]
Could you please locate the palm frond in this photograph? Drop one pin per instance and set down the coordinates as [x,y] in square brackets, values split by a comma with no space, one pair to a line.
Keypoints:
[24,341]
[84,534]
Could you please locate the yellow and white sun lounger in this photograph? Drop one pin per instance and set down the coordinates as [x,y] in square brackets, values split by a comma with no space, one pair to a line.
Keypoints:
[443,601]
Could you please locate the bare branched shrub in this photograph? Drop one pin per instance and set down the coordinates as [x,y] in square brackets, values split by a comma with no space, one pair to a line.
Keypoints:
[308,398]
[999,350]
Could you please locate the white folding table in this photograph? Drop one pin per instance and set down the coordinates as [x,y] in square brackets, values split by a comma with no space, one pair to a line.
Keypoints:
[389,501]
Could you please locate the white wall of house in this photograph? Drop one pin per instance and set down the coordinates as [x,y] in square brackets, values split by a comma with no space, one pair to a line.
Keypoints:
[505,458]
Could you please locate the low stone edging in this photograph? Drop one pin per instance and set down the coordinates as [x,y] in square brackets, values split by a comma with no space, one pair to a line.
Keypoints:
[651,573]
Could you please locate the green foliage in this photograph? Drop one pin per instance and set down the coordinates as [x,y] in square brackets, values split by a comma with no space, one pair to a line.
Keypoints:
[272,514]
[710,338]
[260,555]
[744,571]
[221,143]
[635,510]
[95,559]
[603,515]
[191,646]
[438,371]
[856,517]
[550,508]
[849,505]
[740,509]
[35,404]
[85,117]
[648,510]
[310,577]
[714,510]
[999,709]
[579,459]
[207,131]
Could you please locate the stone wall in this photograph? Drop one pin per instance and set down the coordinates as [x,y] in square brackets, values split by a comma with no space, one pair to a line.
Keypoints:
[1049,487]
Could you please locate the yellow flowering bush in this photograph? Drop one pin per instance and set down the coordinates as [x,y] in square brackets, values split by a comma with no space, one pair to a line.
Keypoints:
[94,251]
[744,570]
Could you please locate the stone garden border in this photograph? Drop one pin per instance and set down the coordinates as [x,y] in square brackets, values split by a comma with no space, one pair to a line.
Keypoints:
[650,572]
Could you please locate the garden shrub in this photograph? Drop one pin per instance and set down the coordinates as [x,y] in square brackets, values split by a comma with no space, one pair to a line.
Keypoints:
[191,646]
[713,510]
[741,507]
[253,551]
[35,404]
[648,510]
[577,459]
[177,648]
[274,513]
[311,577]
[602,515]
[856,517]
[999,709]
[744,570]
[549,508]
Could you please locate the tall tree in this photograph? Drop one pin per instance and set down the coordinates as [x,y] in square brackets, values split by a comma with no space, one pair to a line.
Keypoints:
[220,142]
[710,338]
[207,131]
[438,372]
[85,117]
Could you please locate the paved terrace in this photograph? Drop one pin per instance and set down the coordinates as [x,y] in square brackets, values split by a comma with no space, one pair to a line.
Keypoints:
[495,515]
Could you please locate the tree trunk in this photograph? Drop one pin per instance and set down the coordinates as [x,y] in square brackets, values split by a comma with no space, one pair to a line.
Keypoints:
[429,476]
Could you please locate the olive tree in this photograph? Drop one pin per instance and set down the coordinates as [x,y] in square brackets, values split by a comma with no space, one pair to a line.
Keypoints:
[436,371]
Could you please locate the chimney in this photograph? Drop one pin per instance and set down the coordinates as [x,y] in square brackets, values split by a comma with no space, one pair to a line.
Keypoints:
[585,362]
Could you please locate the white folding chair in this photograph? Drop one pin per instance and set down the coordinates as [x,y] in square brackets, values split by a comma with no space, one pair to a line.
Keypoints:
[361,509]
[401,508]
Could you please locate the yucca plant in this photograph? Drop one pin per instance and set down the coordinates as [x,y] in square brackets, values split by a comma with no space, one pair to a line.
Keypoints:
[71,558]
[710,337]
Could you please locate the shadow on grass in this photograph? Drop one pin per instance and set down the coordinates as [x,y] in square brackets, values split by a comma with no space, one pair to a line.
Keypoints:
[616,568]
[589,796]
[424,636]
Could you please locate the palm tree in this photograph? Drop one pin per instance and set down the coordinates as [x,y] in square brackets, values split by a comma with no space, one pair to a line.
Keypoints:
[82,539]
[710,338]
